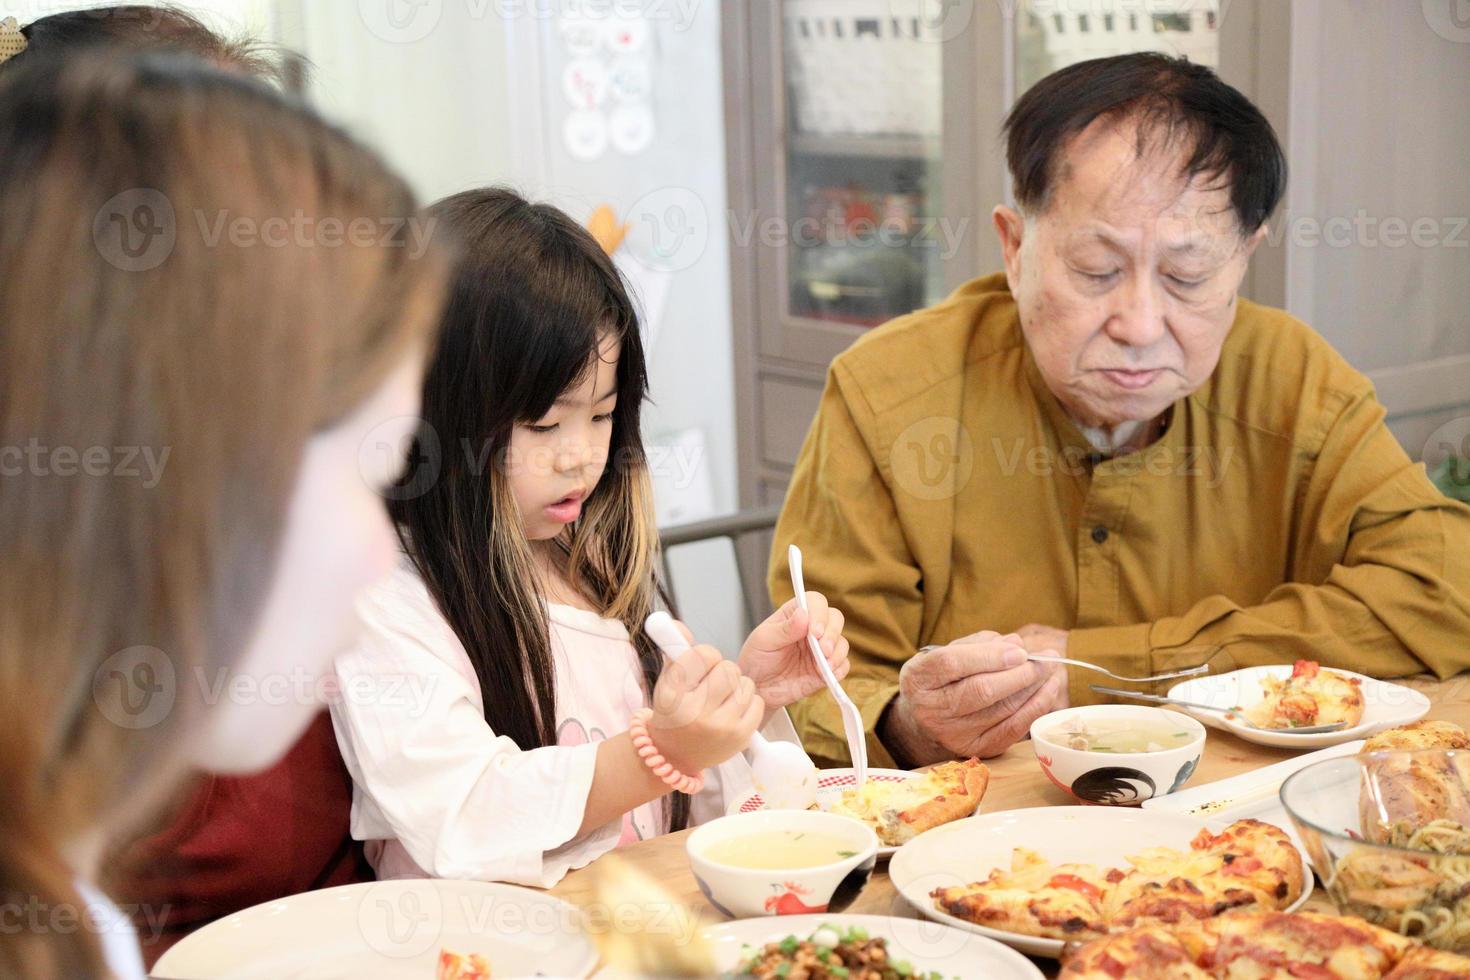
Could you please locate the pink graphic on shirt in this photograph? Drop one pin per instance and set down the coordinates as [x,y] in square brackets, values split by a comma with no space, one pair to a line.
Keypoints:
[573,732]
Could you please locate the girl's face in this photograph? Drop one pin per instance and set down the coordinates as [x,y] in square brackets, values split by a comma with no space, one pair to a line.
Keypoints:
[555,462]
[337,539]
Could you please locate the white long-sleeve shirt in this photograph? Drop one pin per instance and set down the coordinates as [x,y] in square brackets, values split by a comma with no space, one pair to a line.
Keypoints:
[437,793]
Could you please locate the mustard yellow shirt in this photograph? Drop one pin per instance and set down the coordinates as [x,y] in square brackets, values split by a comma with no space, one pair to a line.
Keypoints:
[942,490]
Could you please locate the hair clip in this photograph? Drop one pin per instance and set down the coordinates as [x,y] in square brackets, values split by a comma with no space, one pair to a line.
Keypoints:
[12,41]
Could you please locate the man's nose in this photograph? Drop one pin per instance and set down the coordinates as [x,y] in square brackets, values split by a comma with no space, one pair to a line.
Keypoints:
[1137,318]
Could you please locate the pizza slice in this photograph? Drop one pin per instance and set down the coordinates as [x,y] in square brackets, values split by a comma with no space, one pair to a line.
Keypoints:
[1249,865]
[1145,953]
[1312,695]
[1034,898]
[461,966]
[1424,963]
[1263,946]
[1298,946]
[899,812]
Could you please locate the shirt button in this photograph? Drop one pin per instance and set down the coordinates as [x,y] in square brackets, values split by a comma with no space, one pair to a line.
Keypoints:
[1099,534]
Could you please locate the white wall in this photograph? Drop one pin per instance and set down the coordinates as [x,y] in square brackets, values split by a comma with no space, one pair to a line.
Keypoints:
[436,105]
[459,97]
[1375,224]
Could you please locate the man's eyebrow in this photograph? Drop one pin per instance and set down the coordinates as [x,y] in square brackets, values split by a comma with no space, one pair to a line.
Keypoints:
[1189,246]
[1193,245]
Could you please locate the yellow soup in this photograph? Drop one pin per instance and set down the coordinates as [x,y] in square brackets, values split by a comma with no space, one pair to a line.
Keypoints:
[775,849]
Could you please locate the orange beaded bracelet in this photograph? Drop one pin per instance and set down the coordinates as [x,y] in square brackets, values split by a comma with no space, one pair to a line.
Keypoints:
[654,759]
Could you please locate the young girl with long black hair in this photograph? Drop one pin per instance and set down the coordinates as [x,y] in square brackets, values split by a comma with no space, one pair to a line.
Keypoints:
[489,716]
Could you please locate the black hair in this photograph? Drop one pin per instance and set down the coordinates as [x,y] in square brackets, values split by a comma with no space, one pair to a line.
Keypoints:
[532,302]
[1171,98]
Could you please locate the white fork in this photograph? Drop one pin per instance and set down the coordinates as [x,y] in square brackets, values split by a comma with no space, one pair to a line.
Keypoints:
[852,721]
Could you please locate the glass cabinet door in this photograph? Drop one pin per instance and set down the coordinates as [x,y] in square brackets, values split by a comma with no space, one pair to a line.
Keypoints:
[863,111]
[1052,34]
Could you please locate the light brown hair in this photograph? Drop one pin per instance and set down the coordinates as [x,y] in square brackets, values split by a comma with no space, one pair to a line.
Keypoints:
[227,355]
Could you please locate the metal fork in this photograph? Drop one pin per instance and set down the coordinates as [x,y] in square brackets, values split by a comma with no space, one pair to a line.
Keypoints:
[1048,659]
[1233,715]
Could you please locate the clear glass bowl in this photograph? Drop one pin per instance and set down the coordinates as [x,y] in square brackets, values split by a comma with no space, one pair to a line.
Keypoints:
[1389,835]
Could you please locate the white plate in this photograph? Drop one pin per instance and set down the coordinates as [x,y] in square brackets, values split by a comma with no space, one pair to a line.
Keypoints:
[968,850]
[387,930]
[831,784]
[929,946]
[1385,706]
[1255,794]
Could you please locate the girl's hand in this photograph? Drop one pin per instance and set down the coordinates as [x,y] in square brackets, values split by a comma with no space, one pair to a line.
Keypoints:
[778,659]
[704,711]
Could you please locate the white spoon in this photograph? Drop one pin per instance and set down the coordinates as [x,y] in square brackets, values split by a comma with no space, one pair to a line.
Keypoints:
[785,778]
[852,720]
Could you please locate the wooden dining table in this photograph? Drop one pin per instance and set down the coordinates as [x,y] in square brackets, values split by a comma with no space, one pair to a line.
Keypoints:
[1016,782]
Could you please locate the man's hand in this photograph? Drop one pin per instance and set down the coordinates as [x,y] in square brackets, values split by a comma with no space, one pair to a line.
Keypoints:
[1043,639]
[976,696]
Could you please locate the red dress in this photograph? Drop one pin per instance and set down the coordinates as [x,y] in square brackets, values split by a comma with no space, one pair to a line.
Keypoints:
[240,841]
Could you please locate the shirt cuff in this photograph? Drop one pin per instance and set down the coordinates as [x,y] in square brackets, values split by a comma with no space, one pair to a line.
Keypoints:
[1121,649]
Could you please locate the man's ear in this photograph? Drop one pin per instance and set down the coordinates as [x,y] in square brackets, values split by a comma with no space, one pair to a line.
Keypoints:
[1009,227]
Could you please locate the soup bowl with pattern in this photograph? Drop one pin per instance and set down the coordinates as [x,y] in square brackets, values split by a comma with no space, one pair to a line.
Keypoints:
[1117,754]
[782,862]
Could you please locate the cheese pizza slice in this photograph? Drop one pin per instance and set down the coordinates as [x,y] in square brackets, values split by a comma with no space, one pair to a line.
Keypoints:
[1312,695]
[1035,898]
[1249,865]
[899,812]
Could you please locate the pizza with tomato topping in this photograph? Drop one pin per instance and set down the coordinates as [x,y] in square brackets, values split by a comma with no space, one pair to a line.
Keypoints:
[1250,865]
[899,812]
[1262,946]
[1312,695]
[461,966]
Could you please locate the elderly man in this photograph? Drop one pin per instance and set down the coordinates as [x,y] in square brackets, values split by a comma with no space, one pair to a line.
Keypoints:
[1106,453]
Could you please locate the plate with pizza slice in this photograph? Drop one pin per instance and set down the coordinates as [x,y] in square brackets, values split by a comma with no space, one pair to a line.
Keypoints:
[898,805]
[1265,704]
[1039,878]
[1307,945]
[407,929]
